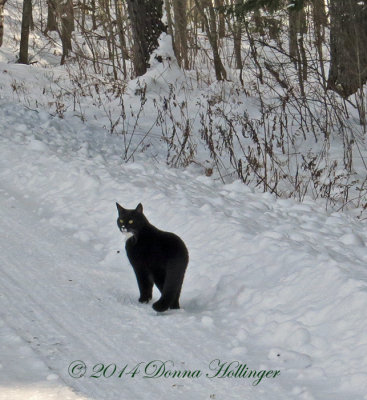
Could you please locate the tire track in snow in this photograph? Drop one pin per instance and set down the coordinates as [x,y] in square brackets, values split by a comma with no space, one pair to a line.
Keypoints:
[34,296]
[36,300]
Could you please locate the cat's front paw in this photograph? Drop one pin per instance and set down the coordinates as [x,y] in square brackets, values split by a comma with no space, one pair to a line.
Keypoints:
[144,299]
[159,306]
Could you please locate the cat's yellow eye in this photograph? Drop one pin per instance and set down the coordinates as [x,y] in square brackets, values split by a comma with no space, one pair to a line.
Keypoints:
[131,221]
[121,221]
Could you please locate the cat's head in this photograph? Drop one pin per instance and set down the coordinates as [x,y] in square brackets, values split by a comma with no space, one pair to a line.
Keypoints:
[131,220]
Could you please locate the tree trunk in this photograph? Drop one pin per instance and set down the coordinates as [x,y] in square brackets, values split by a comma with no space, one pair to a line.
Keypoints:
[66,16]
[297,25]
[51,16]
[121,26]
[170,30]
[237,44]
[179,8]
[147,26]
[211,32]
[297,30]
[2,3]
[235,27]
[221,23]
[94,19]
[82,13]
[348,44]
[24,38]
[320,22]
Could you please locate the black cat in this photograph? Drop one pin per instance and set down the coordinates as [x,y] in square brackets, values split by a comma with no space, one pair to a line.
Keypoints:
[157,257]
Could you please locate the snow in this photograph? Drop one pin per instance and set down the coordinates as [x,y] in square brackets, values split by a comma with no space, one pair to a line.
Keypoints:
[272,284]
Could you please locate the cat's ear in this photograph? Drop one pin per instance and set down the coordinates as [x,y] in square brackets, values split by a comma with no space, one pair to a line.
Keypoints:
[139,208]
[119,208]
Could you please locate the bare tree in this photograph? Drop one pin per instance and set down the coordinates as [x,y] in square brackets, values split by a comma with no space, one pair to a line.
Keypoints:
[94,18]
[121,27]
[51,16]
[320,22]
[66,20]
[146,24]
[234,24]
[219,4]
[297,30]
[348,43]
[60,18]
[210,26]
[179,8]
[24,38]
[297,27]
[2,4]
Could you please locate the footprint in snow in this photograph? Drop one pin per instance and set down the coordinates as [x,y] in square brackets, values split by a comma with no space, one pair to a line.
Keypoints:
[289,359]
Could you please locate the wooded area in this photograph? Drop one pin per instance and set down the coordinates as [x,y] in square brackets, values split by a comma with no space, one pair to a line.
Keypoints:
[304,61]
[131,29]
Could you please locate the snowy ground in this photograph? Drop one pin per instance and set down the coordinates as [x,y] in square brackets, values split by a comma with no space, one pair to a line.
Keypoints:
[273,284]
